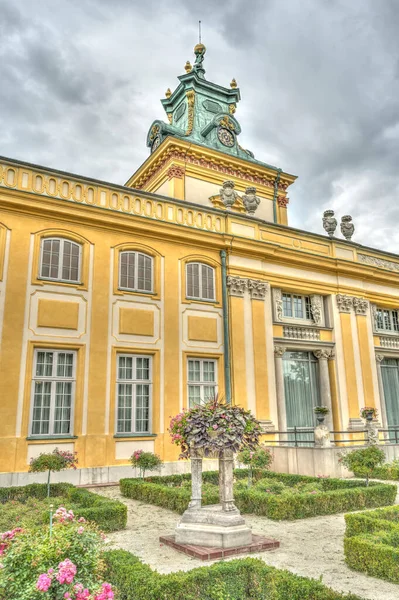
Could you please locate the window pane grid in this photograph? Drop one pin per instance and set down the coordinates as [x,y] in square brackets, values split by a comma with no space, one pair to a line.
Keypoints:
[297,307]
[60,260]
[387,320]
[200,281]
[201,381]
[52,393]
[135,272]
[134,398]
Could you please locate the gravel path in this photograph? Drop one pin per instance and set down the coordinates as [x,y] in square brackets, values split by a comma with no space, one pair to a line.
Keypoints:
[310,547]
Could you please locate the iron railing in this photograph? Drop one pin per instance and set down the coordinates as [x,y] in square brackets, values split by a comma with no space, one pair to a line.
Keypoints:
[302,437]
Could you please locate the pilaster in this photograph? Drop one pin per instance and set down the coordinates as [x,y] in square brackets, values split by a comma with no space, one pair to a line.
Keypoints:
[345,307]
[325,390]
[282,411]
[176,177]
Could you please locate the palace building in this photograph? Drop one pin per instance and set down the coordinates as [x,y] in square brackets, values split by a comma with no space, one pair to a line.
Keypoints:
[121,305]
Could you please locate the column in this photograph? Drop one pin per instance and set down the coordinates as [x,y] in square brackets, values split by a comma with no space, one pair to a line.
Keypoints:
[196,479]
[236,287]
[322,356]
[226,466]
[282,412]
[379,358]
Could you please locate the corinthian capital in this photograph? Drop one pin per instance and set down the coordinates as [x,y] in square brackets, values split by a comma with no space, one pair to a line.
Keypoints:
[236,286]
[257,289]
[322,353]
[360,305]
[344,303]
[279,351]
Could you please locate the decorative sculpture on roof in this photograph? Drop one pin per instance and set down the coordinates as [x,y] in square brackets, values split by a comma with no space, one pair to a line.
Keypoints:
[199,52]
[250,200]
[347,228]
[329,222]
[228,194]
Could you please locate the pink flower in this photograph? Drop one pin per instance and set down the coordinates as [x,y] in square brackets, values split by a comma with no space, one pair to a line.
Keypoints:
[215,426]
[43,583]
[81,520]
[106,593]
[81,530]
[66,571]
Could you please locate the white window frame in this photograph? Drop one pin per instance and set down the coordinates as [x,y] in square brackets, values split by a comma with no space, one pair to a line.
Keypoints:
[293,318]
[53,379]
[60,260]
[384,329]
[134,383]
[201,384]
[200,297]
[136,272]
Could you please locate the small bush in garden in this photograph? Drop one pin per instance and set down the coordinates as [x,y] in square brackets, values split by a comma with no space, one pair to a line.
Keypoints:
[57,460]
[363,461]
[261,458]
[145,461]
[270,486]
[66,564]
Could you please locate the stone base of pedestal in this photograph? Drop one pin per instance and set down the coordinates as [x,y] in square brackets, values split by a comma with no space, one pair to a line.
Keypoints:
[258,543]
[211,526]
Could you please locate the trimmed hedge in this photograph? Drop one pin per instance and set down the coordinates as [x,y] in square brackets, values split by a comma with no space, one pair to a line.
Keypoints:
[109,514]
[245,579]
[338,495]
[371,543]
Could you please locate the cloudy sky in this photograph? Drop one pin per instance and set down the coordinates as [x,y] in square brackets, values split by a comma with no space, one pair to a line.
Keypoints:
[81,82]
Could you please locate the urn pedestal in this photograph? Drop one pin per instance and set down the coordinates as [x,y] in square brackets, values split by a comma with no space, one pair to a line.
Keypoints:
[211,526]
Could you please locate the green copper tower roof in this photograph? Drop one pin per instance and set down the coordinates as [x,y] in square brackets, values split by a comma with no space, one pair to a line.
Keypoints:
[201,112]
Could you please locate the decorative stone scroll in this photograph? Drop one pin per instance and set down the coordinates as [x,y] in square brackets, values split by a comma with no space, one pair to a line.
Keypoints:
[257,289]
[278,304]
[381,263]
[236,286]
[316,308]
[379,357]
[323,353]
[344,303]
[279,351]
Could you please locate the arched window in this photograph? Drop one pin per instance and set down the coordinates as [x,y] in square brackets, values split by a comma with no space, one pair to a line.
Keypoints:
[135,272]
[200,281]
[60,260]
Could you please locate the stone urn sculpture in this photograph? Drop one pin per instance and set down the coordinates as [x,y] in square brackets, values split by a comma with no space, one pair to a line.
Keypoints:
[250,200]
[329,222]
[347,227]
[228,194]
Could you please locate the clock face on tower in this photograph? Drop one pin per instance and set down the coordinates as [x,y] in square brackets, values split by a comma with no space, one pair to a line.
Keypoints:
[226,137]
[155,143]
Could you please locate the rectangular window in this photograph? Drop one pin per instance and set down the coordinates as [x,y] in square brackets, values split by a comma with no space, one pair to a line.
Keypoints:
[387,320]
[297,307]
[200,281]
[60,260]
[202,378]
[135,272]
[53,390]
[134,387]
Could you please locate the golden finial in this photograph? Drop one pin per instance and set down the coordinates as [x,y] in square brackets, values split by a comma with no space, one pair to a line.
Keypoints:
[233,84]
[188,67]
[168,93]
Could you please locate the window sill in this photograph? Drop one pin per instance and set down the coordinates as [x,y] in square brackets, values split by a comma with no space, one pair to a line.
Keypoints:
[387,333]
[64,281]
[135,435]
[35,438]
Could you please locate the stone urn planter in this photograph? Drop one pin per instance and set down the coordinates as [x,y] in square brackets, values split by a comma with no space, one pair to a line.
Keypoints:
[218,430]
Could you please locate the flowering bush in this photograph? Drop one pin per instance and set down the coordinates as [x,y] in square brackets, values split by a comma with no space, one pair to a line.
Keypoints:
[67,565]
[145,461]
[363,461]
[261,458]
[58,460]
[215,426]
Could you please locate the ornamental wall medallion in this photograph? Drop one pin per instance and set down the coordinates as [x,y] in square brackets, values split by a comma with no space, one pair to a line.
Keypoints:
[180,110]
[278,304]
[156,143]
[212,107]
[316,306]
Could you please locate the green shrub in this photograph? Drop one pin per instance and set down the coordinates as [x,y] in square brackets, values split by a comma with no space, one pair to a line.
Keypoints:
[245,579]
[371,542]
[261,458]
[270,486]
[363,461]
[109,514]
[332,495]
[145,461]
[57,460]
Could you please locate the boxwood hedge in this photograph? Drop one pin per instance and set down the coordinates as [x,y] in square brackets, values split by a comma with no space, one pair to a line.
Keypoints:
[109,514]
[371,543]
[338,495]
[242,579]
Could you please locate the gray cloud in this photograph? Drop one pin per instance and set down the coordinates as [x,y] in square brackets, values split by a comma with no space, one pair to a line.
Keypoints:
[319,79]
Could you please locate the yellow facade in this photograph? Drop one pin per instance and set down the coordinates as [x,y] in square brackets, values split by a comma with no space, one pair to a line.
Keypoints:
[170,214]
